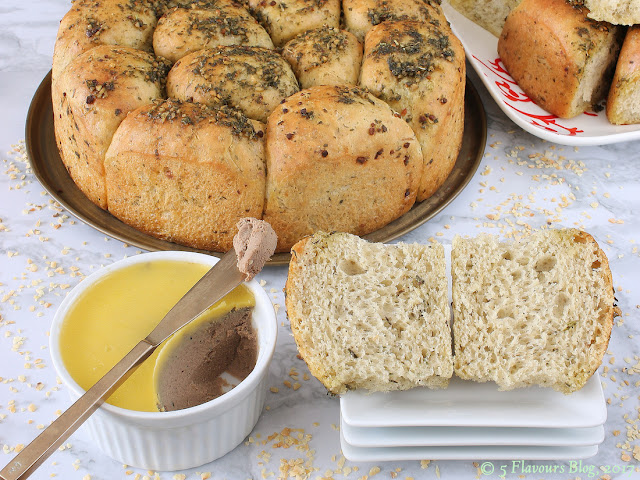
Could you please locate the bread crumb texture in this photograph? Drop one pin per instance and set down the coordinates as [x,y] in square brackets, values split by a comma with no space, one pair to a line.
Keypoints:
[368,315]
[539,311]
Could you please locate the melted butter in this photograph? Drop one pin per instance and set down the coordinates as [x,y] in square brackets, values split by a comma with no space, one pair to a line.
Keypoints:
[120,310]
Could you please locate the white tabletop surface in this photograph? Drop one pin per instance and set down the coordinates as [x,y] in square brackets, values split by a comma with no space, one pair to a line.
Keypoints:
[523,183]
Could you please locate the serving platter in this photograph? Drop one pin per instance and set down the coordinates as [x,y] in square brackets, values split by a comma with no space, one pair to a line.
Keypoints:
[52,174]
[497,452]
[469,436]
[471,404]
[481,47]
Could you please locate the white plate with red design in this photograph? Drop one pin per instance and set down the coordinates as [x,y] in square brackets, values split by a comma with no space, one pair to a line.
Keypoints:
[590,128]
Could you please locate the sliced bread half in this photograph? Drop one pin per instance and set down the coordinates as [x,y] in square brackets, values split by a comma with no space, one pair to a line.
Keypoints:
[539,311]
[368,315]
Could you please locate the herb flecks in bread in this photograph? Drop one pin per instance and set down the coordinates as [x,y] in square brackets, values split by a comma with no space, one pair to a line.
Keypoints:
[536,312]
[368,315]
[253,79]
[185,30]
[419,70]
[562,59]
[324,56]
[336,159]
[186,172]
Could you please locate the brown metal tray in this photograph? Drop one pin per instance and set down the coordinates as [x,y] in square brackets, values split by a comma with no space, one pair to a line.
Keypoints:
[52,174]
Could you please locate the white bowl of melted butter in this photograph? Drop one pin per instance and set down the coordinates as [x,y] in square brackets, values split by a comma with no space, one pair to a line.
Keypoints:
[201,392]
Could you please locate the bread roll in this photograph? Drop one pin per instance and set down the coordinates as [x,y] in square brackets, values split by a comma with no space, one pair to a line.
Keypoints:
[324,56]
[617,12]
[361,15]
[90,23]
[90,99]
[284,19]
[338,159]
[419,70]
[187,173]
[623,104]
[562,59]
[489,14]
[536,312]
[253,79]
[368,315]
[184,30]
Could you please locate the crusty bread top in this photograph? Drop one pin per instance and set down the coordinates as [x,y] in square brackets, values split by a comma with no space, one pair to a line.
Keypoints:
[361,15]
[369,315]
[324,56]
[90,23]
[253,79]
[285,19]
[539,311]
[181,31]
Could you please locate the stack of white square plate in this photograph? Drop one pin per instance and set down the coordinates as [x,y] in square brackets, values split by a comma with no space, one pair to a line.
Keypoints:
[473,421]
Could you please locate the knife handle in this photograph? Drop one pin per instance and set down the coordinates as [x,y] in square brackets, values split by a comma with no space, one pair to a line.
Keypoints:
[26,462]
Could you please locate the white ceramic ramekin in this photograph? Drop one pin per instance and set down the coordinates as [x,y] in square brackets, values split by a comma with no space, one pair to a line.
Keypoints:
[184,438]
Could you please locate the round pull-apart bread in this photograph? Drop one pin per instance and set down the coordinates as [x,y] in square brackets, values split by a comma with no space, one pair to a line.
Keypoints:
[324,56]
[338,159]
[186,172]
[181,31]
[253,79]
[160,109]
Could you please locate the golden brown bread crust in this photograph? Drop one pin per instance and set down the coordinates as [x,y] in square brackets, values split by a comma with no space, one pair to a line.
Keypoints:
[361,15]
[601,336]
[182,31]
[90,99]
[419,70]
[90,23]
[284,19]
[625,87]
[324,56]
[253,79]
[187,173]
[548,46]
[323,176]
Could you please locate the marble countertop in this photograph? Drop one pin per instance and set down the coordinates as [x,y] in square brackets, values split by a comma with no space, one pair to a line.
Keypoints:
[523,183]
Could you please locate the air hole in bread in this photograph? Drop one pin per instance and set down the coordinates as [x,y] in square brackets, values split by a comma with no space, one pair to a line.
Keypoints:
[595,265]
[516,275]
[504,313]
[545,264]
[507,255]
[523,260]
[562,300]
[351,267]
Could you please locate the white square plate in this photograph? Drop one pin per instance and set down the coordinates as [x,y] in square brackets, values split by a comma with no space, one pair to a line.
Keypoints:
[371,454]
[469,436]
[471,404]
[481,48]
